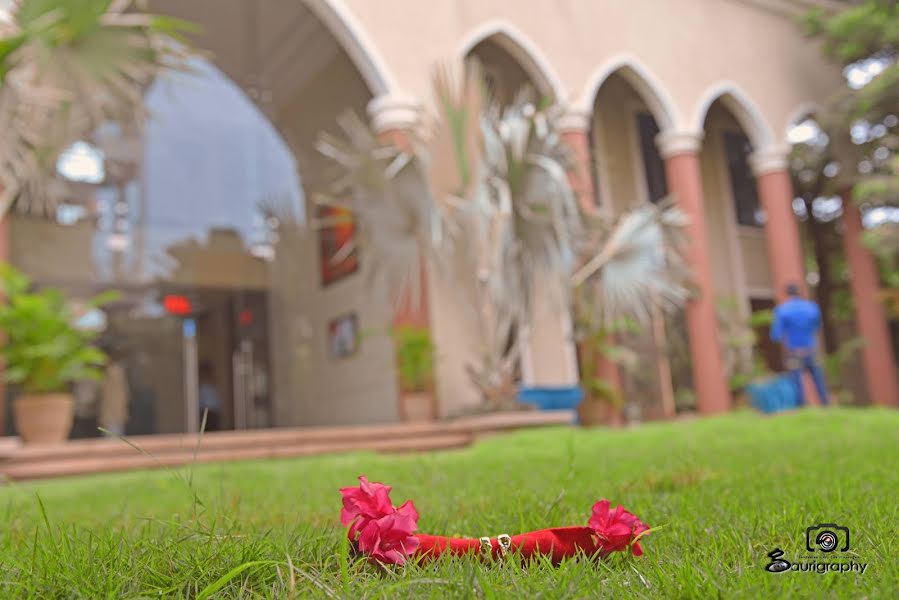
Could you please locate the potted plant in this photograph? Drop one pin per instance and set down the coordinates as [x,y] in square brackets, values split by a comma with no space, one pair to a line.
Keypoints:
[415,363]
[44,353]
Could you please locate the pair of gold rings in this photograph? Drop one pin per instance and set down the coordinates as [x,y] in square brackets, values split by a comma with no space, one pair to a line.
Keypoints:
[505,544]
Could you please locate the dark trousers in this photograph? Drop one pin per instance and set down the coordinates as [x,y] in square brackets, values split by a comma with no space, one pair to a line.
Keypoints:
[798,362]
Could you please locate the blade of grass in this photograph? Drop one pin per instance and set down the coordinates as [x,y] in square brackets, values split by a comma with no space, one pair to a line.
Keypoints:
[225,579]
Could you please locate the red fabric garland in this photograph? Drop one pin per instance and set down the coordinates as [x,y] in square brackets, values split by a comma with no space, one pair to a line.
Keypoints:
[386,534]
[558,543]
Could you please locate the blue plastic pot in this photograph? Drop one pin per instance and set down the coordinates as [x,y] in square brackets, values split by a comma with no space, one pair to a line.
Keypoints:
[775,395]
[551,398]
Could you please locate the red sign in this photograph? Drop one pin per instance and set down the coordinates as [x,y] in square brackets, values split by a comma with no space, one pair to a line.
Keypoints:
[246,318]
[177,305]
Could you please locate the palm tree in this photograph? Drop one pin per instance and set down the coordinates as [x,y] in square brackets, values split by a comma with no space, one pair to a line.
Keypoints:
[486,196]
[67,67]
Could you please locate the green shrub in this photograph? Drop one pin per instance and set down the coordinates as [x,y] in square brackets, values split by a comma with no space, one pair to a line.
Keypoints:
[415,357]
[43,350]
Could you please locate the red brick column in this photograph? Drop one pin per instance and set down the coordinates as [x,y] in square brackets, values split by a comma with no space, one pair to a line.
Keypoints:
[682,169]
[574,127]
[877,355]
[781,230]
[775,188]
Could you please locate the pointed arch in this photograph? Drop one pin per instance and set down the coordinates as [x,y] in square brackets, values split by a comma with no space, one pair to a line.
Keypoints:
[742,107]
[521,48]
[642,80]
[354,40]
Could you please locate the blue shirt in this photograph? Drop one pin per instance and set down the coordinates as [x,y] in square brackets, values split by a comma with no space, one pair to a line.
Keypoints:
[796,323]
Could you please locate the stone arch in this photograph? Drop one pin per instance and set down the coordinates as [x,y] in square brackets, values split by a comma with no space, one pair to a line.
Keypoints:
[522,49]
[743,109]
[355,41]
[642,80]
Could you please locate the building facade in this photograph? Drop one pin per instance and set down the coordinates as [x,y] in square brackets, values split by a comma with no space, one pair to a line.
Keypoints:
[686,97]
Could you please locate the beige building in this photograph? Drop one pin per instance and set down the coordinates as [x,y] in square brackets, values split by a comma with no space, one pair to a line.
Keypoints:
[693,97]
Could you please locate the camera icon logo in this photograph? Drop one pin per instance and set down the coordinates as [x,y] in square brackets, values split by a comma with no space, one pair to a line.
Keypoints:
[826,537]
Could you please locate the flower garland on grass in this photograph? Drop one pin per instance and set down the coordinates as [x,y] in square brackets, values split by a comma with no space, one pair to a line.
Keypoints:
[386,534]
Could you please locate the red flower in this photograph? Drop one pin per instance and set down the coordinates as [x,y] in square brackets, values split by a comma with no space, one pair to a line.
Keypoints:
[363,504]
[617,529]
[389,539]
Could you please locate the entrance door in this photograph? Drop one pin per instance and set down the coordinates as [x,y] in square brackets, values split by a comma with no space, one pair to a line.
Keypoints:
[250,361]
[232,357]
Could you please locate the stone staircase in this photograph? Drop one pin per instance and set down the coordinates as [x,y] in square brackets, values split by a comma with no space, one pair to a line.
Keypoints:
[104,455]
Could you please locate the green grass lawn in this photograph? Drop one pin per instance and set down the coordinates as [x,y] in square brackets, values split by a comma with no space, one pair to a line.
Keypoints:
[725,490]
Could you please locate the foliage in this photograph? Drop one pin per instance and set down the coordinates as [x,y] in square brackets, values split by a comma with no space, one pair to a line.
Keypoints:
[67,67]
[499,221]
[270,529]
[855,148]
[867,29]
[634,263]
[685,399]
[43,351]
[596,341]
[861,123]
[738,340]
[835,363]
[415,357]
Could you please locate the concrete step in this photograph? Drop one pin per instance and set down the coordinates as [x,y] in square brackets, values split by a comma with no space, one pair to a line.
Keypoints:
[160,445]
[102,455]
[19,471]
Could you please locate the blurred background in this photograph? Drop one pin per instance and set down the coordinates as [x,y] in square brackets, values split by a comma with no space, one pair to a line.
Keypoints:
[202,217]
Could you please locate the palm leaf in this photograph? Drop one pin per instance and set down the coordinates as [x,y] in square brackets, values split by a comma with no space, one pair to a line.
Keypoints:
[454,149]
[67,67]
[638,265]
[381,186]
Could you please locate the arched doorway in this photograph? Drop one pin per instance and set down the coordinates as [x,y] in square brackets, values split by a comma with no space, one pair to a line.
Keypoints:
[736,231]
[628,113]
[512,64]
[199,221]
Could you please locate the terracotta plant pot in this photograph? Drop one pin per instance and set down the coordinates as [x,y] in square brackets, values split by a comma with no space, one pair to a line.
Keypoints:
[44,418]
[417,407]
[596,412]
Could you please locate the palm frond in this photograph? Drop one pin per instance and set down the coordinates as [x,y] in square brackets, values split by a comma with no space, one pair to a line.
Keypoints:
[488,198]
[455,146]
[638,265]
[381,185]
[65,69]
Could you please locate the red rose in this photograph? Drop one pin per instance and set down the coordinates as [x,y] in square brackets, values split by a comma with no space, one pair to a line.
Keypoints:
[389,539]
[617,529]
[364,504]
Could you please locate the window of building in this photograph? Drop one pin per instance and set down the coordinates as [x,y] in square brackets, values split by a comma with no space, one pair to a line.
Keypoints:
[653,165]
[746,200]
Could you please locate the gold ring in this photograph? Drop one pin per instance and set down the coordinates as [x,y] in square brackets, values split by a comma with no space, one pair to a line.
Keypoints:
[505,544]
[486,546]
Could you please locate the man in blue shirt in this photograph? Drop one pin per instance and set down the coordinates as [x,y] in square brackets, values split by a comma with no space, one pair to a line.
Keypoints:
[796,324]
